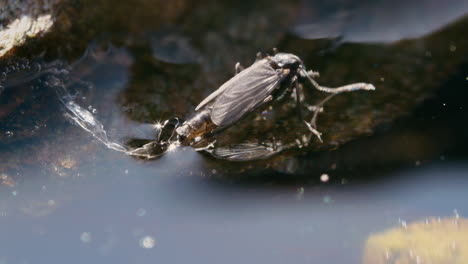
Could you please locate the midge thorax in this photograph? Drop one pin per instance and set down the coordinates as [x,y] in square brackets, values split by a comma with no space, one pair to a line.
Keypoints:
[268,79]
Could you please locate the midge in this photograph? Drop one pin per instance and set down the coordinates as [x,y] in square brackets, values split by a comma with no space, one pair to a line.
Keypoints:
[269,78]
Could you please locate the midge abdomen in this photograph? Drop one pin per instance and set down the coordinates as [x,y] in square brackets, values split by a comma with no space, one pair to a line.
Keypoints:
[196,126]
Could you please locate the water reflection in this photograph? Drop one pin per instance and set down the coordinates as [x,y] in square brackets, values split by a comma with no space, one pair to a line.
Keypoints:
[209,220]
[376,21]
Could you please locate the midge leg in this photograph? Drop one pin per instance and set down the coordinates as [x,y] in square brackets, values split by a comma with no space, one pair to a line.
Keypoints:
[238,68]
[318,107]
[346,88]
[311,126]
[313,74]
[313,123]
[298,97]
[314,131]
[334,91]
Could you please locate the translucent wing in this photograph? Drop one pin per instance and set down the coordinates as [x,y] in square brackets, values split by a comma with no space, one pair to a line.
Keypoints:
[244,152]
[244,92]
[229,83]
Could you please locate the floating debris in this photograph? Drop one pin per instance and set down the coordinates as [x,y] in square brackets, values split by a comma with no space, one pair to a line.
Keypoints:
[147,242]
[141,212]
[86,237]
[68,162]
[327,199]
[453,48]
[300,193]
[324,177]
[7,180]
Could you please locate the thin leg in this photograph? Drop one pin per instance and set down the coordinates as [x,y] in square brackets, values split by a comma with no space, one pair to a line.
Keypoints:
[347,88]
[238,68]
[298,98]
[314,131]
[313,74]
[319,106]
[211,145]
[312,126]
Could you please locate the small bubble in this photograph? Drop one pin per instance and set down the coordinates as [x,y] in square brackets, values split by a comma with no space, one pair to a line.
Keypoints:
[37,67]
[126,171]
[9,133]
[455,212]
[453,47]
[141,212]
[417,163]
[94,111]
[90,107]
[51,202]
[86,237]
[442,157]
[213,171]
[327,199]
[147,242]
[3,76]
[324,177]
[382,79]
[14,193]
[300,193]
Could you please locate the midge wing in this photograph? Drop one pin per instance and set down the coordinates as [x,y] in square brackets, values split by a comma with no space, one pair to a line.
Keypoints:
[229,83]
[243,152]
[244,92]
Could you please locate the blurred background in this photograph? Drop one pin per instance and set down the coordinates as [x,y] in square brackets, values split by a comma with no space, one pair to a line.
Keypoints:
[388,185]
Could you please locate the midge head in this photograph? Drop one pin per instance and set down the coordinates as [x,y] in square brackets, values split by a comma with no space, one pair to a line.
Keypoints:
[287,60]
[290,61]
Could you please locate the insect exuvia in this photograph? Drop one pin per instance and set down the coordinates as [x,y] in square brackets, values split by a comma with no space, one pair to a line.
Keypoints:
[269,78]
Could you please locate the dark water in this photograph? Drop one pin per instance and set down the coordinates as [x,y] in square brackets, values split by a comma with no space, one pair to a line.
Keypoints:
[395,155]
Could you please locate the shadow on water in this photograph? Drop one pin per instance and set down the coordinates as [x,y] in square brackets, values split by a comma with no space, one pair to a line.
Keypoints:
[392,156]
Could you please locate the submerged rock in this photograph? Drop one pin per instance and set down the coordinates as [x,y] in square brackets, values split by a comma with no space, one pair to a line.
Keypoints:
[435,241]
[171,72]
